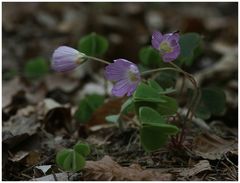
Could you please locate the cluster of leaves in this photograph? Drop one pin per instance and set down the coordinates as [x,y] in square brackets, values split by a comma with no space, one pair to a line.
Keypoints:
[153,107]
[213,102]
[73,159]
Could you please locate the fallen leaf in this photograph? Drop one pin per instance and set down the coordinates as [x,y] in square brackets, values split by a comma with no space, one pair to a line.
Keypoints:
[59,177]
[58,118]
[113,106]
[9,89]
[212,147]
[108,170]
[19,125]
[203,165]
[19,156]
[44,168]
[26,111]
[33,158]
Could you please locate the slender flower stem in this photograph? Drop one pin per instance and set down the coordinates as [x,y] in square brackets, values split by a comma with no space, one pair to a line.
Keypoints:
[182,85]
[158,69]
[194,101]
[98,59]
[189,76]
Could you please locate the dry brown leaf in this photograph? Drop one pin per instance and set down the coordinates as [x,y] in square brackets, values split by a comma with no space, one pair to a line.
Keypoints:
[113,106]
[20,155]
[203,165]
[58,118]
[9,89]
[33,158]
[108,170]
[26,111]
[212,147]
[19,125]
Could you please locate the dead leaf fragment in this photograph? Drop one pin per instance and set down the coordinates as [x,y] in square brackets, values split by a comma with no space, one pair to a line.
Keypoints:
[33,158]
[20,155]
[58,176]
[108,170]
[19,125]
[58,118]
[44,168]
[212,147]
[203,165]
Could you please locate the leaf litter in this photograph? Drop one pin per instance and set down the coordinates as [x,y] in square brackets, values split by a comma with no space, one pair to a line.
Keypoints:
[38,116]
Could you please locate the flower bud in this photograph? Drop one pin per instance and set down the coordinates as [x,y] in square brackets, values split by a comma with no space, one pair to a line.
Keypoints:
[66,59]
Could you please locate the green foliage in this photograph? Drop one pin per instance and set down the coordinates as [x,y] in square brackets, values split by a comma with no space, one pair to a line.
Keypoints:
[147,93]
[73,160]
[213,102]
[93,45]
[202,111]
[81,148]
[151,96]
[87,106]
[149,57]
[155,131]
[167,79]
[151,138]
[36,68]
[155,85]
[190,43]
[169,107]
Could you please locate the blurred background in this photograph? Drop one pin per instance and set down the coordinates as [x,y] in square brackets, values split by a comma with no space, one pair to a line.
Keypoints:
[33,30]
[36,29]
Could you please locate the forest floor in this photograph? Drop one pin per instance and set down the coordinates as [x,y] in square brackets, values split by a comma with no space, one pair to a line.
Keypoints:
[37,116]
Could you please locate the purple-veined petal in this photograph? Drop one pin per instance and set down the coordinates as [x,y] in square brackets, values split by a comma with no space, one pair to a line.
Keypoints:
[66,58]
[120,88]
[132,88]
[156,39]
[125,74]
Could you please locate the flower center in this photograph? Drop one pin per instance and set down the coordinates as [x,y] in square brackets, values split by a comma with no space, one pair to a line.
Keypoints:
[165,47]
[133,74]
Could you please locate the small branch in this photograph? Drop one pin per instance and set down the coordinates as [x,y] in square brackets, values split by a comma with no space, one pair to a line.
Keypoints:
[98,59]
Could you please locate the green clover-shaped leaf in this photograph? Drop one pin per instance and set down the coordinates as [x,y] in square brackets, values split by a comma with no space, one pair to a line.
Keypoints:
[93,45]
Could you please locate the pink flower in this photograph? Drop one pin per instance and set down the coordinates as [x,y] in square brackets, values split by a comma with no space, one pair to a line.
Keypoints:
[167,45]
[125,74]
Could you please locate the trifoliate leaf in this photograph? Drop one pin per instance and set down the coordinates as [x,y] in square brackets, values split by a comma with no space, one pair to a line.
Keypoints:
[82,149]
[93,45]
[147,93]
[189,44]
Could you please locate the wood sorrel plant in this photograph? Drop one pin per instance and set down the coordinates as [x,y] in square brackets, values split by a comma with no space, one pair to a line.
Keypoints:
[152,103]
